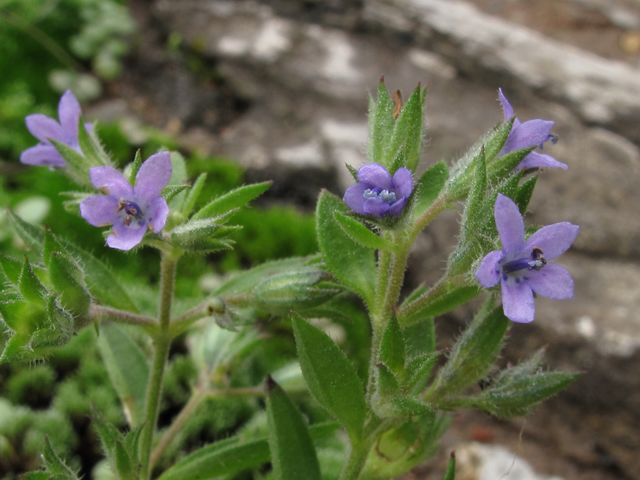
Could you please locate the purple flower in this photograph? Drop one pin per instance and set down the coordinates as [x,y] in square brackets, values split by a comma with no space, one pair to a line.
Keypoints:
[45,129]
[522,266]
[532,133]
[129,209]
[377,193]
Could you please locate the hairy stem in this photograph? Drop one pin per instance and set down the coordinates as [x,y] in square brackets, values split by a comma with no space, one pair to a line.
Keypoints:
[162,342]
[102,313]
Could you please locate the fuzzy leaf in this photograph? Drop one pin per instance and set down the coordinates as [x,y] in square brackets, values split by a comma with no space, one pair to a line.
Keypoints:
[392,348]
[503,166]
[30,286]
[498,139]
[68,282]
[193,195]
[77,165]
[381,124]
[237,198]
[361,234]
[205,235]
[419,370]
[420,338]
[172,191]
[429,187]
[450,474]
[448,298]
[135,167]
[525,192]
[93,154]
[387,382]
[408,131]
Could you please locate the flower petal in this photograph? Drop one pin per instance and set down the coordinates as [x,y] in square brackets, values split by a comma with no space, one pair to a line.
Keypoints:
[553,240]
[157,214]
[99,210]
[41,156]
[540,160]
[552,281]
[403,181]
[506,106]
[375,175]
[509,223]
[153,176]
[488,273]
[125,238]
[354,197]
[69,112]
[43,128]
[532,133]
[396,208]
[517,302]
[375,206]
[112,179]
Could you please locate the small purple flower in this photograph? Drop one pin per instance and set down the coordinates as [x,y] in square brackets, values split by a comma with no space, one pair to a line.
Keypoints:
[522,266]
[528,134]
[377,193]
[129,209]
[45,129]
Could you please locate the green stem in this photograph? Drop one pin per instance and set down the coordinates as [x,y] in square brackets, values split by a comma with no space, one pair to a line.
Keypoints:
[359,452]
[102,313]
[209,307]
[162,342]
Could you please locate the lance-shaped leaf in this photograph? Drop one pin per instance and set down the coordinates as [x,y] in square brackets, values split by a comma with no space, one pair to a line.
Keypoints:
[428,188]
[55,465]
[227,457]
[392,348]
[474,353]
[450,474]
[172,191]
[30,286]
[503,166]
[353,264]
[68,282]
[387,381]
[77,164]
[420,338]
[381,123]
[293,455]
[12,267]
[419,370]
[94,154]
[237,198]
[193,195]
[447,297]
[134,168]
[524,194]
[330,376]
[361,234]
[399,405]
[206,235]
[408,130]
[115,445]
[127,368]
[501,133]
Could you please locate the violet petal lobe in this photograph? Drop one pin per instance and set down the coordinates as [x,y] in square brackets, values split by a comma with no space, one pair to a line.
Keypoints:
[532,133]
[375,175]
[553,240]
[125,238]
[489,273]
[69,112]
[517,302]
[396,208]
[540,160]
[44,128]
[354,197]
[506,106]
[552,281]
[509,223]
[42,155]
[375,206]
[111,181]
[99,210]
[153,176]
[403,180]
[157,214]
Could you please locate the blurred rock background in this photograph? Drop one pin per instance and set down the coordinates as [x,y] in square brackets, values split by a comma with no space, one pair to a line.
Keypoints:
[280,86]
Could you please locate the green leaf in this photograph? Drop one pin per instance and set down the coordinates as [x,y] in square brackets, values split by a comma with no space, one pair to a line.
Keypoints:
[419,371]
[330,376]
[53,463]
[449,297]
[381,124]
[135,167]
[194,194]
[127,368]
[205,235]
[68,282]
[450,474]
[525,192]
[226,457]
[493,146]
[77,165]
[172,191]
[93,154]
[102,283]
[387,381]
[474,354]
[392,348]
[234,199]
[293,455]
[429,187]
[399,406]
[353,264]
[420,338]
[352,171]
[361,234]
[30,286]
[108,433]
[503,166]
[12,267]
[408,131]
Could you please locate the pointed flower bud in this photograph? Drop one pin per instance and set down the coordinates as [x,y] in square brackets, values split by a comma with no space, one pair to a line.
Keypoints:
[522,266]
[377,193]
[129,209]
[532,133]
[46,129]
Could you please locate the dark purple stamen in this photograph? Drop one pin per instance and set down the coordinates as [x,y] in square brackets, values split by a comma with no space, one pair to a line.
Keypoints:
[535,262]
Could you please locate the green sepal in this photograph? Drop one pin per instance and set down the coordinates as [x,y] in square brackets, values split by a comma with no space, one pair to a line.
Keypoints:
[31,288]
[498,139]
[296,289]
[352,263]
[68,281]
[474,353]
[135,167]
[20,316]
[237,198]
[428,188]
[193,195]
[387,381]
[399,406]
[93,153]
[54,464]
[408,131]
[115,445]
[77,165]
[205,235]
[12,267]
[503,166]
[72,205]
[419,371]
[450,474]
[330,376]
[361,234]
[525,192]
[381,124]
[449,297]
[353,171]
[392,348]
[58,329]
[420,338]
[293,455]
[127,368]
[172,191]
